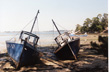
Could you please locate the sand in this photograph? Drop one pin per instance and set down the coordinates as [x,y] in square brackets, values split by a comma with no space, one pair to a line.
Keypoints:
[88,60]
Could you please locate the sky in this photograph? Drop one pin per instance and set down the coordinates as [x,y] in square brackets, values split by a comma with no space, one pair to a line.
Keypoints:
[16,14]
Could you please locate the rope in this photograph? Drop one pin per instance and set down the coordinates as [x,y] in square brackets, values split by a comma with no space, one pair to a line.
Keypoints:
[53,36]
[62,27]
[53,31]
[22,29]
[38,33]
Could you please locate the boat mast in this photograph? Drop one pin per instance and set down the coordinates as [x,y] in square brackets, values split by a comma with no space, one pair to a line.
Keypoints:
[33,24]
[56,27]
[34,21]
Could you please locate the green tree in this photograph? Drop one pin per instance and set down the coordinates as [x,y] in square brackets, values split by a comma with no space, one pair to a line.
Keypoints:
[99,17]
[104,22]
[83,29]
[87,22]
[78,27]
[96,24]
[86,25]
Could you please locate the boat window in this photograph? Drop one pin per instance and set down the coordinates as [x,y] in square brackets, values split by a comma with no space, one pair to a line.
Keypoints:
[29,37]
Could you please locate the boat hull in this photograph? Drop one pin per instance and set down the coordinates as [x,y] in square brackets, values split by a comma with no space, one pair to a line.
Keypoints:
[69,50]
[22,54]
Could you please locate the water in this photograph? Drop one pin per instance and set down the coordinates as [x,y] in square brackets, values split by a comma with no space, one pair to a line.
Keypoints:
[46,38]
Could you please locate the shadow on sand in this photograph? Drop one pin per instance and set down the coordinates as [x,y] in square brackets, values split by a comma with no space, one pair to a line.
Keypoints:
[88,61]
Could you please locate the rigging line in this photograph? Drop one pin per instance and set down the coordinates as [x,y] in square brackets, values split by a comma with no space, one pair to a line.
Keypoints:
[28,24]
[23,28]
[53,36]
[61,26]
[38,33]
[53,28]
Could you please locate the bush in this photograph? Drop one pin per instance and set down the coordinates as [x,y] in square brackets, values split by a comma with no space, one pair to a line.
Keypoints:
[102,47]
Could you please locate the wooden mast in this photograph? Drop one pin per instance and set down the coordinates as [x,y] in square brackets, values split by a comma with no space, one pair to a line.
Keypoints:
[34,21]
[56,27]
[33,24]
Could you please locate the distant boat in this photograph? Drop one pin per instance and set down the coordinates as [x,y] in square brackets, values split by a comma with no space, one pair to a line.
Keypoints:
[25,52]
[67,48]
[74,35]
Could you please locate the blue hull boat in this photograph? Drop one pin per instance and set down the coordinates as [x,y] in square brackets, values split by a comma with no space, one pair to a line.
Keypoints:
[24,53]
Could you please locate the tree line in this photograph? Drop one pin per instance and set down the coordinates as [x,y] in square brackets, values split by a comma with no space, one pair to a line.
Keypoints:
[95,25]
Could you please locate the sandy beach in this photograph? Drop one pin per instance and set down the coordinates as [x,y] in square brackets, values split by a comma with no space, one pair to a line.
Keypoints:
[88,60]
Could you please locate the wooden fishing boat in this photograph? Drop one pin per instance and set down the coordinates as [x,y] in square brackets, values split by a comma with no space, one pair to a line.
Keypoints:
[24,53]
[68,48]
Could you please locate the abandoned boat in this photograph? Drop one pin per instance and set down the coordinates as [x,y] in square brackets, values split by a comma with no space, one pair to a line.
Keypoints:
[68,47]
[24,53]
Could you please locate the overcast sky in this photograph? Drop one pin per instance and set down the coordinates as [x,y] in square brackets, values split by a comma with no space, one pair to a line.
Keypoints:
[15,14]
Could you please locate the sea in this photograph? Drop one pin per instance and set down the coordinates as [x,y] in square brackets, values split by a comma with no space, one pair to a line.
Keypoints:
[46,38]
